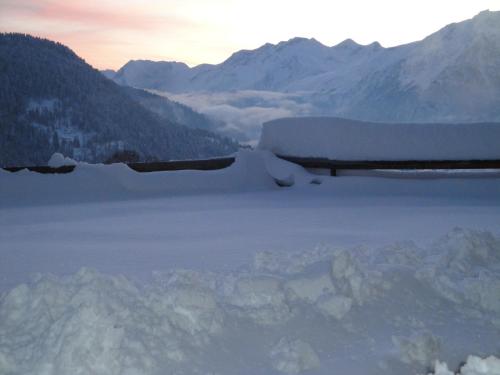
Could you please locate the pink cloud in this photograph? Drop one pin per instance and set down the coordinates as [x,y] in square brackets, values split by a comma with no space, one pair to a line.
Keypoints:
[95,14]
[105,33]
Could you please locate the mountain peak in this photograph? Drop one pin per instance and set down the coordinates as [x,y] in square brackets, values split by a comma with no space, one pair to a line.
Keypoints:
[348,44]
[485,23]
[486,13]
[487,19]
[298,41]
[375,45]
[152,62]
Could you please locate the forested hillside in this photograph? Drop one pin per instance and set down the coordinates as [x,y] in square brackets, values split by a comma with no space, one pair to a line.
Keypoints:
[174,111]
[52,100]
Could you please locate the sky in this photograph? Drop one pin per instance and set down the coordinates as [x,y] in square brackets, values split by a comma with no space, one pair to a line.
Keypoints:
[108,33]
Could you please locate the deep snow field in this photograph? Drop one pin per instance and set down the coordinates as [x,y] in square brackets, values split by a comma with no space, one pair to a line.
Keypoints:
[108,271]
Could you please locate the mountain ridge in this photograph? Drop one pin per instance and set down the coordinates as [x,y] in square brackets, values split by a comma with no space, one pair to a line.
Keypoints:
[451,75]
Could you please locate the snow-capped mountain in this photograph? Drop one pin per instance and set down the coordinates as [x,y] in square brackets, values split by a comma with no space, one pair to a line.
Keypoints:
[270,67]
[452,75]
[145,74]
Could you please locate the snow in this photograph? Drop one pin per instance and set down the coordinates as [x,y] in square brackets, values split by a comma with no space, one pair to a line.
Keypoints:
[478,366]
[40,105]
[59,160]
[108,271]
[422,348]
[187,321]
[474,366]
[252,171]
[342,139]
[293,357]
[97,182]
[427,62]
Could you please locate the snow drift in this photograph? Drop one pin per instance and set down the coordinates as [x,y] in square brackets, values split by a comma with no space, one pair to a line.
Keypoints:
[58,160]
[342,139]
[357,311]
[251,171]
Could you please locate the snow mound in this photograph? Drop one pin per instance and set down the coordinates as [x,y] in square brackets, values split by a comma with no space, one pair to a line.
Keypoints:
[58,160]
[251,171]
[291,313]
[343,139]
[474,366]
[288,174]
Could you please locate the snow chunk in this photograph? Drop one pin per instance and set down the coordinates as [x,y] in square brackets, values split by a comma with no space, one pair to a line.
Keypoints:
[421,348]
[343,139]
[261,299]
[58,160]
[293,356]
[310,289]
[474,366]
[351,280]
[336,306]
[320,292]
[479,366]
[441,368]
[466,269]
[290,263]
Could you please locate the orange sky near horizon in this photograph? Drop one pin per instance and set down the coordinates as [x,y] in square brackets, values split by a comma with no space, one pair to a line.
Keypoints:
[108,33]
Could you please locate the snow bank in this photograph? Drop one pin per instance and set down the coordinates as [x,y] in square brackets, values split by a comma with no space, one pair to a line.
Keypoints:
[342,139]
[58,160]
[93,182]
[288,313]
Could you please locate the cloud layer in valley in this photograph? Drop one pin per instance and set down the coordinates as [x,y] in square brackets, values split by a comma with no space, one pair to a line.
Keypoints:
[243,112]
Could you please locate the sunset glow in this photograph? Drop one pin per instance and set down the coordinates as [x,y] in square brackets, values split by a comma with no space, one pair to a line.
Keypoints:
[109,33]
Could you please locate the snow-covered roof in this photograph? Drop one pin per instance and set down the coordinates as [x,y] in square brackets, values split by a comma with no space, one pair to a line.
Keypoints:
[342,139]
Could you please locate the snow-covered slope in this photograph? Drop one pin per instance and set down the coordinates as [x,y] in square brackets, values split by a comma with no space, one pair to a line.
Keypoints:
[342,139]
[144,74]
[271,67]
[452,75]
